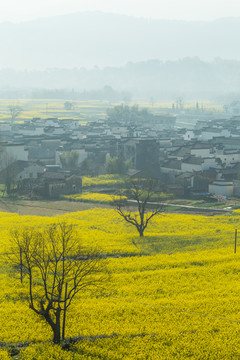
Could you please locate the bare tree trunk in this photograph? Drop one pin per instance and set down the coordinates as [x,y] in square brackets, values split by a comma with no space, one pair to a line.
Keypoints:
[141,233]
[57,334]
[8,188]
[57,327]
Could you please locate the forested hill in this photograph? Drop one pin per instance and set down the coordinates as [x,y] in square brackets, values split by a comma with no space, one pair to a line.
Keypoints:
[189,77]
[94,38]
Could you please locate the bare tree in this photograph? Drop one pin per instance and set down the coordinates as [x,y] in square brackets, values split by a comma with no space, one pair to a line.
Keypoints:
[68,105]
[14,110]
[57,268]
[142,193]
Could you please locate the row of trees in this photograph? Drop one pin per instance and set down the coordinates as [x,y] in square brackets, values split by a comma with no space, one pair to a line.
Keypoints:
[128,114]
[113,165]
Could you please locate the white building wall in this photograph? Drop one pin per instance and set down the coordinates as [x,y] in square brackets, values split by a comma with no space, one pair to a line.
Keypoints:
[170,171]
[32,132]
[17,152]
[229,158]
[210,163]
[57,131]
[190,167]
[30,172]
[221,188]
[208,135]
[77,134]
[82,155]
[189,135]
[201,152]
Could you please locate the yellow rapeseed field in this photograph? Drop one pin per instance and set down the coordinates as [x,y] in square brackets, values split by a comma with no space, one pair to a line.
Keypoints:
[94,197]
[104,180]
[172,295]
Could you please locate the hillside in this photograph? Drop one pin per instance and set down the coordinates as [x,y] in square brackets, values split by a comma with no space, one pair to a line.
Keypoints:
[95,38]
[190,78]
[89,51]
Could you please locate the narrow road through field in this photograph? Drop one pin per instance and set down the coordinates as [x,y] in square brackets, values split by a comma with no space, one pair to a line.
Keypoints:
[188,207]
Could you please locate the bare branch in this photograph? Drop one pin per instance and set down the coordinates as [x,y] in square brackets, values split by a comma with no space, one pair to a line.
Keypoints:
[141,192]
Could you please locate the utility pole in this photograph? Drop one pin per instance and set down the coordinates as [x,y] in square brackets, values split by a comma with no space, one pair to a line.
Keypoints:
[235,248]
[21,265]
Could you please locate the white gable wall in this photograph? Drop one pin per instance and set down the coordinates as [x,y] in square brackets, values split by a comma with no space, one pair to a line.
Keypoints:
[17,152]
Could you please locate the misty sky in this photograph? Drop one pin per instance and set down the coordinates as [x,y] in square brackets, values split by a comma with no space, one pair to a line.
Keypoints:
[21,10]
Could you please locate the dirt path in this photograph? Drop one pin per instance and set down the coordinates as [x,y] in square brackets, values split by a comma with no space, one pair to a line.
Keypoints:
[52,208]
[44,208]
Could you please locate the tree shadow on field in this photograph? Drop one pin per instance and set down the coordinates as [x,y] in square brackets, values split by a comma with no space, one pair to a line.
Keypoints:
[151,245]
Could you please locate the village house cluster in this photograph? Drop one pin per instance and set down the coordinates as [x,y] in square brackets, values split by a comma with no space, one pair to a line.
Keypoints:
[203,160]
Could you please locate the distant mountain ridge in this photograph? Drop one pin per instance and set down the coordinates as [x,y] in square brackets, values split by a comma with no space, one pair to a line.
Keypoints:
[94,38]
[188,78]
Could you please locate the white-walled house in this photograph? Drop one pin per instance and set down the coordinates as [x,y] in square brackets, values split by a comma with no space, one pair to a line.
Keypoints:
[202,150]
[210,133]
[171,166]
[52,122]
[119,131]
[210,162]
[30,171]
[221,188]
[77,134]
[194,163]
[17,152]
[29,130]
[70,124]
[181,153]
[189,135]
[229,157]
[54,131]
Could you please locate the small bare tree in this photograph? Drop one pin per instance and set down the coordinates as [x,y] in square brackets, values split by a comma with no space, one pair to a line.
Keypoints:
[14,110]
[141,193]
[57,268]
[68,105]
